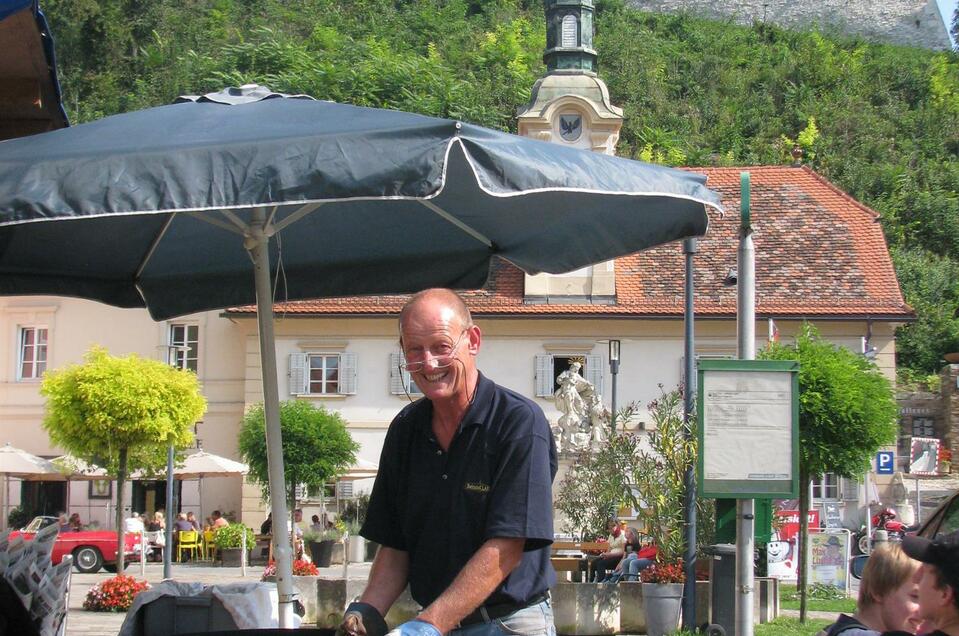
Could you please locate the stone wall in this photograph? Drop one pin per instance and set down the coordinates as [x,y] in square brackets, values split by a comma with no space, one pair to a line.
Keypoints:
[907,22]
[949,388]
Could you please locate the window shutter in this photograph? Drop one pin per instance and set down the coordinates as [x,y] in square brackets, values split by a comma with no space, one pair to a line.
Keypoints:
[347,374]
[544,375]
[594,372]
[397,375]
[299,383]
[850,489]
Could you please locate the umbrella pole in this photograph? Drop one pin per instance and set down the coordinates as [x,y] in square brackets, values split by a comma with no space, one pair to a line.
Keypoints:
[257,242]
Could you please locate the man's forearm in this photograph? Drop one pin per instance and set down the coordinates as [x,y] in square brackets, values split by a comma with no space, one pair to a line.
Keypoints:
[491,564]
[387,580]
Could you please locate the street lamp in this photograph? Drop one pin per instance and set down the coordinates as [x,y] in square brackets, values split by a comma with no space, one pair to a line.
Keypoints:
[614,370]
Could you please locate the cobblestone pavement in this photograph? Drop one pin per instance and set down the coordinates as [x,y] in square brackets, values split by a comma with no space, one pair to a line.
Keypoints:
[83,623]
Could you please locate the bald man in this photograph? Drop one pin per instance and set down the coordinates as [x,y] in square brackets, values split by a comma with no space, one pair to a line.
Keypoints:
[462,503]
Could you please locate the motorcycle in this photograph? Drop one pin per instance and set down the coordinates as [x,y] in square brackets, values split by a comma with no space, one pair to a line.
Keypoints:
[886,520]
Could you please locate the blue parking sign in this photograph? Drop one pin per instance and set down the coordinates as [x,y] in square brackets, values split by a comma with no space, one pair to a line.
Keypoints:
[885,463]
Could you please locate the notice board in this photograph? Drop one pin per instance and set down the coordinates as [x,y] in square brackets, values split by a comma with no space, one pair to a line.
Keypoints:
[748,424]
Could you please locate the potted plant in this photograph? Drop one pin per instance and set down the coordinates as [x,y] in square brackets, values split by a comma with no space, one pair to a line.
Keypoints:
[945,460]
[229,543]
[659,475]
[320,545]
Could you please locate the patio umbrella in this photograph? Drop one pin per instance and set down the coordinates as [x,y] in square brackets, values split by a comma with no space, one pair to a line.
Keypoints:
[15,462]
[164,208]
[203,464]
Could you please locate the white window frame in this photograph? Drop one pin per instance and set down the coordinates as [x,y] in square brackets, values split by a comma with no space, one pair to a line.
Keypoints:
[300,383]
[178,357]
[401,380]
[545,372]
[36,347]
[826,487]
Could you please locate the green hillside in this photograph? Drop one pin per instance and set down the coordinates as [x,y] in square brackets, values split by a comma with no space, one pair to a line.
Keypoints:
[880,121]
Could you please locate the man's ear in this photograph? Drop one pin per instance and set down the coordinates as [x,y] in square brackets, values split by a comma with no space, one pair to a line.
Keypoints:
[475,339]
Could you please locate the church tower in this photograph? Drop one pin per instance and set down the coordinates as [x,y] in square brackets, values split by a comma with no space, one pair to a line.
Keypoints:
[571,106]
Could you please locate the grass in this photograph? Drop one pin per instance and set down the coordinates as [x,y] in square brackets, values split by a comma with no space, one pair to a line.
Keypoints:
[789,599]
[784,626]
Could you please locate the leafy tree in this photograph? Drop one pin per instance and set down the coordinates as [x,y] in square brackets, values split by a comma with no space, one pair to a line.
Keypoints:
[954,29]
[316,446]
[122,414]
[847,411]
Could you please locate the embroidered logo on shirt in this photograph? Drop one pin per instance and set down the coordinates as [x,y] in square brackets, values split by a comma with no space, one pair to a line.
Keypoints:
[475,486]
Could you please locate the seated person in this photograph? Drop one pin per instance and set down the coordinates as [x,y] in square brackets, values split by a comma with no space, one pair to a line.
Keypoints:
[75,524]
[616,548]
[888,597]
[182,523]
[133,523]
[937,582]
[193,521]
[218,521]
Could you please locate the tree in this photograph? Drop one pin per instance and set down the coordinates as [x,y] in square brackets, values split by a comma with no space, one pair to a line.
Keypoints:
[122,414]
[847,411]
[316,446]
[954,29]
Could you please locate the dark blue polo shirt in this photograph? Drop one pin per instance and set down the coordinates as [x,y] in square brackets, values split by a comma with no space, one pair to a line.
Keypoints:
[495,481]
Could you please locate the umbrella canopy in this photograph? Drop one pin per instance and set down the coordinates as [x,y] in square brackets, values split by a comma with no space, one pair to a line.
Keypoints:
[362,469]
[204,464]
[15,462]
[164,209]
[76,469]
[382,201]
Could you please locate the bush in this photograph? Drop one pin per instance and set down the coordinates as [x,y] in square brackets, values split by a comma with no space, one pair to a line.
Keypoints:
[18,518]
[300,568]
[114,595]
[231,536]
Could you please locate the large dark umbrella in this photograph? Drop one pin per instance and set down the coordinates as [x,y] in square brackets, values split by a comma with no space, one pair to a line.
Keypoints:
[164,208]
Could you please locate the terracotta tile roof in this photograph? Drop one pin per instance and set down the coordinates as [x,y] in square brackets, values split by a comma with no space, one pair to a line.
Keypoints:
[819,253]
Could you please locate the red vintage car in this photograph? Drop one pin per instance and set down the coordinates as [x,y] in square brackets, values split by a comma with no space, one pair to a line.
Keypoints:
[91,549]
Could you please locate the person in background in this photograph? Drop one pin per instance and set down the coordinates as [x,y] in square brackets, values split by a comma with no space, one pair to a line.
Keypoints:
[888,597]
[615,550]
[75,524]
[218,521]
[182,523]
[63,522]
[133,523]
[937,582]
[316,526]
[267,526]
[158,523]
[193,521]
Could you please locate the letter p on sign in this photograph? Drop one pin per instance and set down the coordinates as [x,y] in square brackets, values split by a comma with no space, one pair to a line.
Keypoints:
[885,463]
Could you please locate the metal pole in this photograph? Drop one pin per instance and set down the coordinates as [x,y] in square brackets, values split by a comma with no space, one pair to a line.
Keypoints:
[614,371]
[257,243]
[168,548]
[746,345]
[918,502]
[689,350]
[868,513]
[143,556]
[243,553]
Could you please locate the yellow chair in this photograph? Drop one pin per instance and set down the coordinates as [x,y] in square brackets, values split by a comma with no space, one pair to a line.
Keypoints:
[209,546]
[189,541]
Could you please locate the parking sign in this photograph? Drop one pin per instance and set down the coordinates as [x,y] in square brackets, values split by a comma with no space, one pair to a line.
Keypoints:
[885,463]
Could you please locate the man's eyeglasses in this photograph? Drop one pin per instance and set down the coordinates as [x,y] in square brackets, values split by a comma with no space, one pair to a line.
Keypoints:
[440,361]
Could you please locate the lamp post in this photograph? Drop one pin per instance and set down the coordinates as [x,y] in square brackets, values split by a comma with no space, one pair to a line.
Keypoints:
[614,371]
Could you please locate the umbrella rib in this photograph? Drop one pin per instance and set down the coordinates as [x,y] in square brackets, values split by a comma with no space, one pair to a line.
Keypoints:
[296,216]
[479,236]
[152,249]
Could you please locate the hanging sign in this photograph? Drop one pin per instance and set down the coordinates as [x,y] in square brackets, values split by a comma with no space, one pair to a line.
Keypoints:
[748,429]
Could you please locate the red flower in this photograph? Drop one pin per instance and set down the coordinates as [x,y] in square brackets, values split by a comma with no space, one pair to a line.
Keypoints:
[664,573]
[114,595]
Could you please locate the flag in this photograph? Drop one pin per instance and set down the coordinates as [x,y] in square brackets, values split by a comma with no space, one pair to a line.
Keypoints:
[773,331]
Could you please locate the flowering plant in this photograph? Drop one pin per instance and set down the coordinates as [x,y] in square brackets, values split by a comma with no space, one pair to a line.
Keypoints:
[114,595]
[663,573]
[945,454]
[300,568]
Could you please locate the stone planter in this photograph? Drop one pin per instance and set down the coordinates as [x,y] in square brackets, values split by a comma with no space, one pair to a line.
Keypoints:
[339,551]
[321,552]
[307,594]
[663,602]
[230,557]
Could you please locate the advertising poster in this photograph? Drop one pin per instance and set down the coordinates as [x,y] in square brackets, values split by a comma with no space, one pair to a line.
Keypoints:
[828,558]
[781,553]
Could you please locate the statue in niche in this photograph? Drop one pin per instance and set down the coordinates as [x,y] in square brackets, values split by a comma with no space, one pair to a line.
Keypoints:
[583,415]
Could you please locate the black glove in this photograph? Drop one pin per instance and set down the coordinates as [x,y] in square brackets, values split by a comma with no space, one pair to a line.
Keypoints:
[362,619]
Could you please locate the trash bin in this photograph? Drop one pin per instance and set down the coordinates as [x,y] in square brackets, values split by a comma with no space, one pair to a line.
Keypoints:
[175,615]
[722,585]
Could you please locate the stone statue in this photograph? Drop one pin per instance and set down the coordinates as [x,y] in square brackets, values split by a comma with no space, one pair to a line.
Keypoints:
[581,423]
